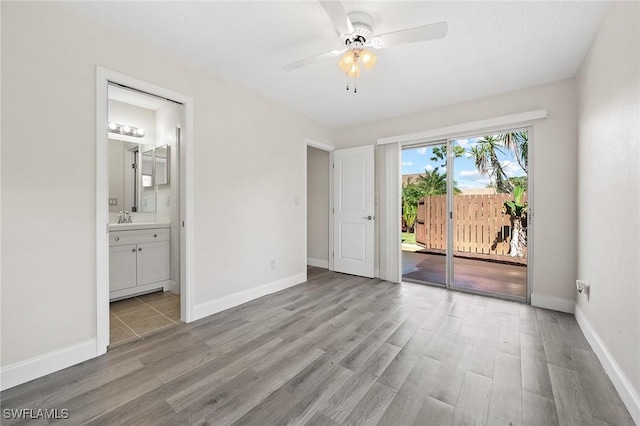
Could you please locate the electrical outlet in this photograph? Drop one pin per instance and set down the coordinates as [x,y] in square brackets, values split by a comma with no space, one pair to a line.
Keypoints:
[583,287]
[273,264]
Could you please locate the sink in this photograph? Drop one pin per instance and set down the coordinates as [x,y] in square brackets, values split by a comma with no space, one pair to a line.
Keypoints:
[137,225]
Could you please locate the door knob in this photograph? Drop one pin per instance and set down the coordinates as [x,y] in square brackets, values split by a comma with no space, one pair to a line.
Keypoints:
[368,217]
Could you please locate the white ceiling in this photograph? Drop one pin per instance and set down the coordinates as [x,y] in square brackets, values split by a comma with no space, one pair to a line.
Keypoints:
[491,47]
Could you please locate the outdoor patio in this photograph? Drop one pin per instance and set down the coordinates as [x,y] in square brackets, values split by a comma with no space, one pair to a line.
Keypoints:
[475,274]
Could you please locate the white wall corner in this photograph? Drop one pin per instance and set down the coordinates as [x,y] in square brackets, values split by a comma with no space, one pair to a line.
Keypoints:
[319,263]
[629,395]
[220,304]
[552,302]
[33,368]
[172,286]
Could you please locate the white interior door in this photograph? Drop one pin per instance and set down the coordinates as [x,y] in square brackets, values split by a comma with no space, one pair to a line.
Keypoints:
[353,215]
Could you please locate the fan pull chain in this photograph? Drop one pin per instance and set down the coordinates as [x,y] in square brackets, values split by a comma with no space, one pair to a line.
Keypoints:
[347,82]
[355,85]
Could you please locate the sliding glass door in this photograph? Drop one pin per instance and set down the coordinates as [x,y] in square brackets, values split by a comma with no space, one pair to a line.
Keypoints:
[424,214]
[470,227]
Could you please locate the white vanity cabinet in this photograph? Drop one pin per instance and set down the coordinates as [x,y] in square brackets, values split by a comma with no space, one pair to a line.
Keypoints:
[139,260]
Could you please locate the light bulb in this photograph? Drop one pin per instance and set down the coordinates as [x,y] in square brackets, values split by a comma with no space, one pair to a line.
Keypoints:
[368,59]
[113,126]
[126,129]
[347,60]
[139,132]
[354,71]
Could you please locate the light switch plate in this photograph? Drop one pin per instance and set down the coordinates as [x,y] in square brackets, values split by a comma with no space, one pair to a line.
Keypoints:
[113,201]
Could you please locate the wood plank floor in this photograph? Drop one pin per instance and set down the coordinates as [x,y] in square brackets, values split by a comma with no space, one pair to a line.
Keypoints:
[344,350]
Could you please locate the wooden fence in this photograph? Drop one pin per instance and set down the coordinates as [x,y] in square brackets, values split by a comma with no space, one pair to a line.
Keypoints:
[479,226]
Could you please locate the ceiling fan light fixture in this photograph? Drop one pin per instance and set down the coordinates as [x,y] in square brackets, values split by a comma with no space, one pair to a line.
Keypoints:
[368,59]
[347,61]
[354,71]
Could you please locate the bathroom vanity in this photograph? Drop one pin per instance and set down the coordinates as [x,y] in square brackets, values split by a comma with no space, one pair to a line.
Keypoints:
[139,258]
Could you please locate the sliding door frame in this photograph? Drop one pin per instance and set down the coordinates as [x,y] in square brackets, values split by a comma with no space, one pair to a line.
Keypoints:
[449,141]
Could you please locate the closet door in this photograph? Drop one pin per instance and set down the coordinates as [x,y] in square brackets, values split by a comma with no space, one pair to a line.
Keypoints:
[354,209]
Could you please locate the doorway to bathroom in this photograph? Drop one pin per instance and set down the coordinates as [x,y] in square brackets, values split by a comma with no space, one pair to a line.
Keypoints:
[143,198]
[144,249]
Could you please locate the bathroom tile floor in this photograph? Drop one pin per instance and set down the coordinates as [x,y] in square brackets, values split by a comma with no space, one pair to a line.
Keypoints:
[134,318]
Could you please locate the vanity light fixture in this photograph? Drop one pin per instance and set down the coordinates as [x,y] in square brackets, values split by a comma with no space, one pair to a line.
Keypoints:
[136,132]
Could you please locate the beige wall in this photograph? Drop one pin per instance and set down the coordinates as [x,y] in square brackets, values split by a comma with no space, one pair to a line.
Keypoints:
[609,186]
[317,204]
[248,155]
[554,170]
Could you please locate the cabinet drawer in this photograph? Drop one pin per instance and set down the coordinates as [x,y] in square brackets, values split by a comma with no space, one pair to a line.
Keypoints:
[120,238]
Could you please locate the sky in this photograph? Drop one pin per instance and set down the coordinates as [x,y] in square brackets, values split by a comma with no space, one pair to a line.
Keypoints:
[416,160]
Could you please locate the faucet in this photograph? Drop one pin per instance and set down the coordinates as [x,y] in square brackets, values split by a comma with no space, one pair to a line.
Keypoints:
[124,217]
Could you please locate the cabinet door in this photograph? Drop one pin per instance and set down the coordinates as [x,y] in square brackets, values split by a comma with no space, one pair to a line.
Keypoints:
[122,267]
[153,262]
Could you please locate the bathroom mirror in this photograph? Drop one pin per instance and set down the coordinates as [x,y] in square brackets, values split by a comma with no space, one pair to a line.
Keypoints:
[162,165]
[131,184]
[147,168]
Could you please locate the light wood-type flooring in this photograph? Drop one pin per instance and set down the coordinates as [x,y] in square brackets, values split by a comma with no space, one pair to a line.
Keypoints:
[344,350]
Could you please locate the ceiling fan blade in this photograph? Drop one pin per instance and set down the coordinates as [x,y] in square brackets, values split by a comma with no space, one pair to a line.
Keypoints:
[412,35]
[312,59]
[338,15]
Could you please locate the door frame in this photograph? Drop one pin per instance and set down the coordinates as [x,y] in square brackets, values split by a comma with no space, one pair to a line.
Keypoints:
[105,76]
[328,148]
[448,139]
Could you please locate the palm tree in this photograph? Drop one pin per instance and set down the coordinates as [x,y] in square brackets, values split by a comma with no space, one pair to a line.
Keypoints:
[518,143]
[517,211]
[411,195]
[440,153]
[485,157]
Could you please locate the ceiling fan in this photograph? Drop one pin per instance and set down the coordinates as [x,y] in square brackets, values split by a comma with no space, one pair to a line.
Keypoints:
[357,33]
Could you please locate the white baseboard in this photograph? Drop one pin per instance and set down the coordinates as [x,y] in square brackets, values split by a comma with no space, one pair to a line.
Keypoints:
[552,302]
[24,371]
[627,392]
[319,263]
[137,290]
[217,305]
